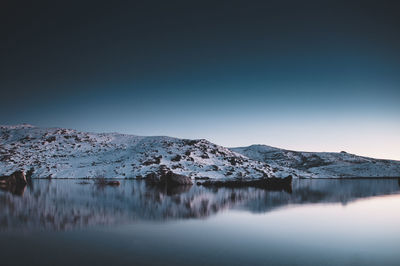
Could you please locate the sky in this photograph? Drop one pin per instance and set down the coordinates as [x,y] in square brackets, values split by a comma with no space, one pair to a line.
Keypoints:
[302,75]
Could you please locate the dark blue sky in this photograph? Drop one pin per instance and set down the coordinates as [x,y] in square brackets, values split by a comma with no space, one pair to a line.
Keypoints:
[310,75]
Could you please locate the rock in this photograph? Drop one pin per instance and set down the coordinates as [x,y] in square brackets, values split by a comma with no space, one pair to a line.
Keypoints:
[177,158]
[152,178]
[28,176]
[191,142]
[214,167]
[155,160]
[15,183]
[29,173]
[51,139]
[175,179]
[16,178]
[165,176]
[205,156]
[232,160]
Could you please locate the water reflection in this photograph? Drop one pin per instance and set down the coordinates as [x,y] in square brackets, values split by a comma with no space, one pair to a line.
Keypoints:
[70,204]
[18,190]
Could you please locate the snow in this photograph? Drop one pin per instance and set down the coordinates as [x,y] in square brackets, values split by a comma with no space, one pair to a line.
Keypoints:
[67,153]
[320,164]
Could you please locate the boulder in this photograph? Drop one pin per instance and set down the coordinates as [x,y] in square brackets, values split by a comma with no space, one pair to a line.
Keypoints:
[176,158]
[165,176]
[175,179]
[16,178]
[14,183]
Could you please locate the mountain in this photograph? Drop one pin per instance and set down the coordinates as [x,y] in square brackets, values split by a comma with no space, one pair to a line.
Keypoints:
[67,153]
[320,164]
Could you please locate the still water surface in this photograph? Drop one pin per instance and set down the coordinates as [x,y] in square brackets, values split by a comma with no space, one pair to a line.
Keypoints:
[321,222]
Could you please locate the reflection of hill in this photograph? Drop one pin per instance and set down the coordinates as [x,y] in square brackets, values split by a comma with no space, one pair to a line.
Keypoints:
[325,191]
[65,204]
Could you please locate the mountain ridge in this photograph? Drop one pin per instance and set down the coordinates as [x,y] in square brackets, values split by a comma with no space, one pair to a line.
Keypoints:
[68,153]
[321,164]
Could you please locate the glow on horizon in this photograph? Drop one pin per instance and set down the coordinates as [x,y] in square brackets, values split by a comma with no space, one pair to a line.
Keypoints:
[370,137]
[362,138]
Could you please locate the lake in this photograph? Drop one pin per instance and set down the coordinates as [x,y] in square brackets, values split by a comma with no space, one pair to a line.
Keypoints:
[318,222]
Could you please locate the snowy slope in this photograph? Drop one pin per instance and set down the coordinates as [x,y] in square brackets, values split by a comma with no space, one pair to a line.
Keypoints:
[320,164]
[67,153]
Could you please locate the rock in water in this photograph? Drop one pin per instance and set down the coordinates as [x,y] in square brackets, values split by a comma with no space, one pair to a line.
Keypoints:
[15,183]
[16,178]
[171,178]
[164,176]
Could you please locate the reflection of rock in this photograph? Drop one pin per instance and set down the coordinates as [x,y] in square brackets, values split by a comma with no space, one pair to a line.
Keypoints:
[17,190]
[273,184]
[174,190]
[15,183]
[169,189]
[28,176]
[103,182]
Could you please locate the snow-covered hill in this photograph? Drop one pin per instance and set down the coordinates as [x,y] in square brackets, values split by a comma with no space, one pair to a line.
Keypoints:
[320,164]
[66,153]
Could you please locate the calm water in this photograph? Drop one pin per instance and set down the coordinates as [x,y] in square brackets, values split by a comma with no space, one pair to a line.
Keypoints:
[322,222]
